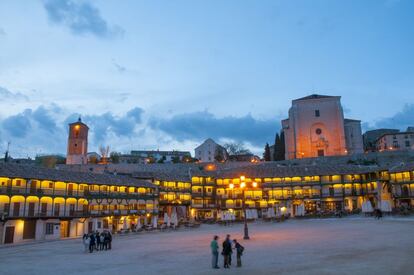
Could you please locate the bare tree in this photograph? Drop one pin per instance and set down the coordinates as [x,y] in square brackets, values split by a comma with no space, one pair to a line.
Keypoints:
[234,148]
[104,153]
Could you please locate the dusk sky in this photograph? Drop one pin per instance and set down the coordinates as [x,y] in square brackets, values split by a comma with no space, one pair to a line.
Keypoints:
[169,74]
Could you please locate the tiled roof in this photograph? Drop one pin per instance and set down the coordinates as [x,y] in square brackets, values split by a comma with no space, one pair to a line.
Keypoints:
[402,167]
[35,172]
[270,169]
[314,96]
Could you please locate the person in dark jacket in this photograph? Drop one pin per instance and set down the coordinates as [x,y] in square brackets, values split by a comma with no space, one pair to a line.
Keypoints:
[231,248]
[98,241]
[91,242]
[226,251]
[109,240]
[106,240]
[239,250]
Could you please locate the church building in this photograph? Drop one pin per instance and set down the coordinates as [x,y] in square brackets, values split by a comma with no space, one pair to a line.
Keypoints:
[316,127]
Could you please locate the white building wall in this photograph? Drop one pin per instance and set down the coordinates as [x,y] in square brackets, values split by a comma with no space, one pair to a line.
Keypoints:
[206,151]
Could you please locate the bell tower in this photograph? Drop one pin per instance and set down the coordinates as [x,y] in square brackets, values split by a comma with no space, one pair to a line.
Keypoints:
[77,143]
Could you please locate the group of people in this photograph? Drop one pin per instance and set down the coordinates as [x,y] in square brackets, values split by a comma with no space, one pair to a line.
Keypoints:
[227,251]
[97,241]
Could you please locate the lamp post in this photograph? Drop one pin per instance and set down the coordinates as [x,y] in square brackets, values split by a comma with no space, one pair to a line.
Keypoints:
[242,187]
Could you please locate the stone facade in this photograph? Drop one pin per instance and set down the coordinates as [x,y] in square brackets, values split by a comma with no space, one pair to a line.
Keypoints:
[316,127]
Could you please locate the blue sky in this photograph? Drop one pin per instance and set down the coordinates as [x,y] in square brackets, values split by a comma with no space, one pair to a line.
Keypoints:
[169,74]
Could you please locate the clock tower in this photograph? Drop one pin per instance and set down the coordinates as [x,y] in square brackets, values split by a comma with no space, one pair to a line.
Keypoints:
[77,143]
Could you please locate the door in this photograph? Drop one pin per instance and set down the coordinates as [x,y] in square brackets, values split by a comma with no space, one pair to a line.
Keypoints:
[9,235]
[90,227]
[44,209]
[71,210]
[9,187]
[16,209]
[31,209]
[29,229]
[70,189]
[64,229]
[321,153]
[33,186]
[57,209]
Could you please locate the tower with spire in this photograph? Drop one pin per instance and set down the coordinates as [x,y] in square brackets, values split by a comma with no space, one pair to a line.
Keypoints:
[77,143]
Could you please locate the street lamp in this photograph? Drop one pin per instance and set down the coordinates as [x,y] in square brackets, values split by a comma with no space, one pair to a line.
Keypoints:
[242,186]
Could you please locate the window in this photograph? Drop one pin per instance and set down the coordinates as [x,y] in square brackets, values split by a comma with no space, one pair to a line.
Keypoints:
[99,225]
[49,228]
[407,143]
[18,182]
[6,207]
[317,113]
[50,184]
[318,131]
[321,153]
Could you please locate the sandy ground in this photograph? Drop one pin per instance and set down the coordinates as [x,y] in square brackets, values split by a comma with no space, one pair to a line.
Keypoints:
[340,246]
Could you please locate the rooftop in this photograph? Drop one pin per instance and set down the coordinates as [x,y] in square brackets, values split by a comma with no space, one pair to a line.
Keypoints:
[39,173]
[314,96]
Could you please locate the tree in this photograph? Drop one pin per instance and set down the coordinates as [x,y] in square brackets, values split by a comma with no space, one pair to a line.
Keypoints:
[234,148]
[266,154]
[276,147]
[175,159]
[282,145]
[219,154]
[104,153]
[279,153]
[114,156]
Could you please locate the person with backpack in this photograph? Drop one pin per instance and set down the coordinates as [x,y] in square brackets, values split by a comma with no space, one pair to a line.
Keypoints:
[239,250]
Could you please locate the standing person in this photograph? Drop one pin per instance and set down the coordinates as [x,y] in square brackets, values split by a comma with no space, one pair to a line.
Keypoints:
[102,241]
[91,242]
[231,248]
[239,251]
[85,241]
[106,240]
[98,241]
[214,251]
[226,252]
[109,240]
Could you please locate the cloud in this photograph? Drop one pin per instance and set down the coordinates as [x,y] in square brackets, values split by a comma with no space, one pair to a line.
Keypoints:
[44,129]
[80,17]
[18,125]
[202,125]
[401,120]
[44,119]
[107,124]
[136,114]
[5,94]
